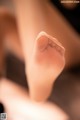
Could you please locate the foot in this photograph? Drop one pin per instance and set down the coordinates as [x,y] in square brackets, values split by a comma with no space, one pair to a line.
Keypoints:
[47,62]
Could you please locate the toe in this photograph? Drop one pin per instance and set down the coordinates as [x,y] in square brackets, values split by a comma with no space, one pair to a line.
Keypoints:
[42,42]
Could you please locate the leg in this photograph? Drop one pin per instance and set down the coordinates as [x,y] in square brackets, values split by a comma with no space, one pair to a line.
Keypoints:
[41,67]
[9,33]
[39,15]
[19,106]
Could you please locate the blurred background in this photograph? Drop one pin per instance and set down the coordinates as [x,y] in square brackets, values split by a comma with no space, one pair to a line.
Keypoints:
[66,92]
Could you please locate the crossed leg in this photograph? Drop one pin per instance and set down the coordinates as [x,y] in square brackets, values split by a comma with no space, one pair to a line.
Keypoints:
[43,55]
[47,61]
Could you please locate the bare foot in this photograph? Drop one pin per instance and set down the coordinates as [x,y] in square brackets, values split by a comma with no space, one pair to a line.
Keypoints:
[46,63]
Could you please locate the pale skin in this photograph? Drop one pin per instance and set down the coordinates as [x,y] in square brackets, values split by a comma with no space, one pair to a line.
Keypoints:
[19,105]
[29,55]
[45,47]
[49,20]
[9,33]
[25,107]
[22,107]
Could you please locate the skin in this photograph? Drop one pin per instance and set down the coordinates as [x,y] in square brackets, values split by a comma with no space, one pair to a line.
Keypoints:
[47,69]
[9,34]
[19,105]
[50,20]
[27,48]
[47,19]
[48,63]
[24,99]
[44,46]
